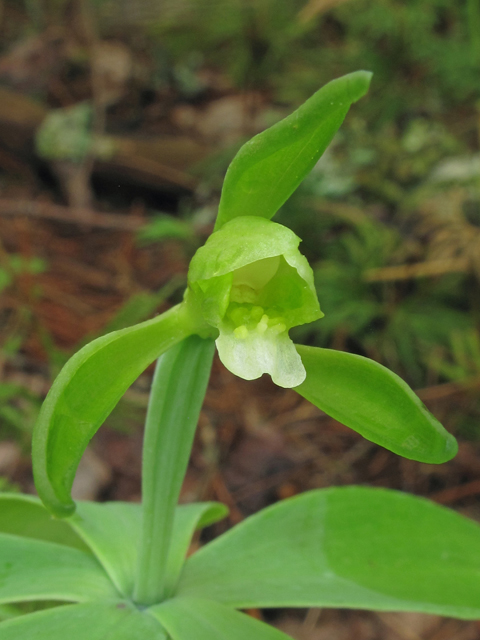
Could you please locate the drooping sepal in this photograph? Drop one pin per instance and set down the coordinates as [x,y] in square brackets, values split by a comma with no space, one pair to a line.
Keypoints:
[375,402]
[86,391]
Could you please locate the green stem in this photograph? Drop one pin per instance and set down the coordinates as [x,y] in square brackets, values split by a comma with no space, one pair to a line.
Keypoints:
[177,394]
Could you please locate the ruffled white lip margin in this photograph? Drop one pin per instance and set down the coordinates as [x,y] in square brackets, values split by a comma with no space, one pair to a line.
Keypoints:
[257,353]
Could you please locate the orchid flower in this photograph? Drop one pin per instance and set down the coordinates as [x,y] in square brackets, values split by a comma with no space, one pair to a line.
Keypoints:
[251,283]
[247,287]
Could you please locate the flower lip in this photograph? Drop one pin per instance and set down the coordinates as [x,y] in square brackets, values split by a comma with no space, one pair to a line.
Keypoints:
[249,354]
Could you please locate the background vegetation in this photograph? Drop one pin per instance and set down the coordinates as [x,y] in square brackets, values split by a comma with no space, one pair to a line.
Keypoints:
[131,110]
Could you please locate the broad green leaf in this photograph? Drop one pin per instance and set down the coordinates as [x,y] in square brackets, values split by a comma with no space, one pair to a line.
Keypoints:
[268,168]
[344,547]
[109,621]
[25,515]
[112,532]
[188,518]
[86,391]
[36,570]
[200,619]
[374,401]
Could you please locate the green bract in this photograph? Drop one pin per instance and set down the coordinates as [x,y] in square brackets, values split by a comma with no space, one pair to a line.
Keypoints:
[251,283]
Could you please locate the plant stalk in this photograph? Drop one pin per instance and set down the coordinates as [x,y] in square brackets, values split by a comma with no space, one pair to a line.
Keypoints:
[178,389]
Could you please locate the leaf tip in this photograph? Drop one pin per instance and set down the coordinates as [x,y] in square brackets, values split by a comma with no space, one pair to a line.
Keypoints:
[56,507]
[359,83]
[63,511]
[451,447]
[46,492]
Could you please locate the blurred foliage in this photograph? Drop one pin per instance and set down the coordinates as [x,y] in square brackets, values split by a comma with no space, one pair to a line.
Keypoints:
[426,50]
[163,226]
[18,406]
[252,40]
[65,134]
[417,49]
[13,266]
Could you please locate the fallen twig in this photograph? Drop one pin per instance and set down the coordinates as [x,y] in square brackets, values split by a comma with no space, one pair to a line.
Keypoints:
[88,217]
[418,270]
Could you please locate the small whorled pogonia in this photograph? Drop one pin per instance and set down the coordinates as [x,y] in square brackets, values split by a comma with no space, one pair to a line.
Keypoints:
[251,283]
[248,286]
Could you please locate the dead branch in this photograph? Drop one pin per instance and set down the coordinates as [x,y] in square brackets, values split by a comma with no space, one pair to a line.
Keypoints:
[418,270]
[87,217]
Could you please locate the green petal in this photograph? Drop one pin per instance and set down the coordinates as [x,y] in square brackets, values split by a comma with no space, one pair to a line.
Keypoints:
[240,242]
[252,242]
[257,353]
[291,293]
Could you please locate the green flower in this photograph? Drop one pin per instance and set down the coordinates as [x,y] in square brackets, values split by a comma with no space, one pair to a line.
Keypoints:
[251,283]
[247,287]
